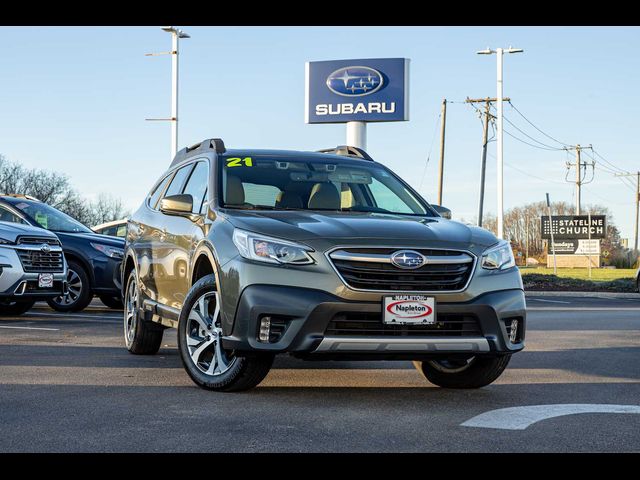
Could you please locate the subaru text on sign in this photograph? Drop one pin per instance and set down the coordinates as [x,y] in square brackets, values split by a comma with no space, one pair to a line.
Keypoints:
[371,90]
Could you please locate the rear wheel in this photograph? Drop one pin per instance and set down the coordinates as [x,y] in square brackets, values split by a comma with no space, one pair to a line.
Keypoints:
[470,372]
[141,337]
[112,302]
[208,364]
[79,294]
[15,307]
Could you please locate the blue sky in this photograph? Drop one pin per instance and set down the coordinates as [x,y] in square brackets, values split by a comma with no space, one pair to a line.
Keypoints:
[75,99]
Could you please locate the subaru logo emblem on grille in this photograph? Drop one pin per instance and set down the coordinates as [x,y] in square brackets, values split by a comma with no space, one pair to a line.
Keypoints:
[355,81]
[408,259]
[45,248]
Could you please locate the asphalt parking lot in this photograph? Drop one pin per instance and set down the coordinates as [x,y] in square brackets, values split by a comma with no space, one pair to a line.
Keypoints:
[67,384]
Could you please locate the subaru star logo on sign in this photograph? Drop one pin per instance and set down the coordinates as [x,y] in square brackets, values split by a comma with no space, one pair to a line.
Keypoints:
[408,259]
[355,81]
[373,90]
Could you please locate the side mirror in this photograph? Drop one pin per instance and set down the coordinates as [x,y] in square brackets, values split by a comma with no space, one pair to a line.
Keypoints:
[443,211]
[177,204]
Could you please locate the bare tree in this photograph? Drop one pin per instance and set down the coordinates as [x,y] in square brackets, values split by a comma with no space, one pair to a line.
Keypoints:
[55,189]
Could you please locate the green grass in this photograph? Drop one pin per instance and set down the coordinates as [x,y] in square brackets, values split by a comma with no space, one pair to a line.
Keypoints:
[597,274]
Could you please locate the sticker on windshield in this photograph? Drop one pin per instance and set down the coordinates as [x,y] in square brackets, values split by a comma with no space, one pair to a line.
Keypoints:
[41,218]
[239,162]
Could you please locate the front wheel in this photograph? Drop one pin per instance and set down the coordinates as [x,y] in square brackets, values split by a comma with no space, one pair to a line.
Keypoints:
[470,372]
[78,295]
[11,307]
[208,364]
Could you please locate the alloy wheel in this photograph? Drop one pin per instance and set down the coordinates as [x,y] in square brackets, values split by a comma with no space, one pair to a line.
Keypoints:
[204,335]
[130,312]
[74,287]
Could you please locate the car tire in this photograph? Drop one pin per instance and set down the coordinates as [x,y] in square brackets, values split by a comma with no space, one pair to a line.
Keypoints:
[141,337]
[199,341]
[79,294]
[474,372]
[15,307]
[112,302]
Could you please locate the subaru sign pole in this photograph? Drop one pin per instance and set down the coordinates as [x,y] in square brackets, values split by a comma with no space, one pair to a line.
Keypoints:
[357,92]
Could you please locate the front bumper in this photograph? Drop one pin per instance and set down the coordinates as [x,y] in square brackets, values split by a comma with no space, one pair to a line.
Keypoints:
[307,313]
[16,283]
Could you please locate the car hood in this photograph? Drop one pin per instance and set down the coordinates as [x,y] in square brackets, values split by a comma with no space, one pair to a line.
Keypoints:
[365,228]
[11,231]
[92,237]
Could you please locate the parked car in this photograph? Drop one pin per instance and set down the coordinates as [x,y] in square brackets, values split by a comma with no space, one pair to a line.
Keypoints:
[32,266]
[117,228]
[93,260]
[322,255]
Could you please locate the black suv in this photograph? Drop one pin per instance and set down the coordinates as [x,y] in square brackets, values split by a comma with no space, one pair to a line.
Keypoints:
[93,259]
[252,253]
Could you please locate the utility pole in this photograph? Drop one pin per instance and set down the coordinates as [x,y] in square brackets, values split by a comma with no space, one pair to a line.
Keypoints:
[526,242]
[441,164]
[637,202]
[485,133]
[499,143]
[176,34]
[580,179]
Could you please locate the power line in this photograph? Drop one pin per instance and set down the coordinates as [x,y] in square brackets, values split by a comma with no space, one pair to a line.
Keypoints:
[530,144]
[426,163]
[548,147]
[538,129]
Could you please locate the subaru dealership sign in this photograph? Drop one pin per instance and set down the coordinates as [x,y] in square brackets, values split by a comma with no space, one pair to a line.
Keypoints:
[372,90]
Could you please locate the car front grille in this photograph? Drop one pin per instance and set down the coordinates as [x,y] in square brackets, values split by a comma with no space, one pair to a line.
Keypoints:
[371,269]
[354,324]
[38,261]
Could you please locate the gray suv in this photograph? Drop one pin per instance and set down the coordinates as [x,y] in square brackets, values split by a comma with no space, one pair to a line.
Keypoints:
[322,255]
[32,267]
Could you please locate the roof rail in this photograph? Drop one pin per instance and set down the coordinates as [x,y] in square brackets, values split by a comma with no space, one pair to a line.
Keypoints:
[348,151]
[215,144]
[20,195]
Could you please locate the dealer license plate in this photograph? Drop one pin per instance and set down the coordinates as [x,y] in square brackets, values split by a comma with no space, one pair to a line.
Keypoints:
[409,310]
[45,280]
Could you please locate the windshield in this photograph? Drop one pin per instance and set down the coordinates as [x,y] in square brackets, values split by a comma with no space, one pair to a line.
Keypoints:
[50,218]
[284,184]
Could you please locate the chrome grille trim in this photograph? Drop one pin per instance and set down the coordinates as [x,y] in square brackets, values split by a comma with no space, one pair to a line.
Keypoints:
[372,257]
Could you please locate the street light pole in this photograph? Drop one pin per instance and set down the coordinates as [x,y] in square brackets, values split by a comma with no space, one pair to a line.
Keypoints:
[176,34]
[499,145]
[174,93]
[499,138]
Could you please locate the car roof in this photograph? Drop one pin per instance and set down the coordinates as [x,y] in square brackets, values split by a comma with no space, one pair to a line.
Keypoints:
[109,224]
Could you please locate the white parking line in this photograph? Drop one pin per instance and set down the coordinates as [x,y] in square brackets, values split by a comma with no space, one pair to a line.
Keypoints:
[519,418]
[30,328]
[72,315]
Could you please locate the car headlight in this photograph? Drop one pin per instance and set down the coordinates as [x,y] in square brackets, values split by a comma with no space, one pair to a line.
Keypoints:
[499,257]
[253,246]
[108,250]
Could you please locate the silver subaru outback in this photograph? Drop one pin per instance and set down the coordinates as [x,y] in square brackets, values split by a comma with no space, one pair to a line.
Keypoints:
[32,267]
[321,255]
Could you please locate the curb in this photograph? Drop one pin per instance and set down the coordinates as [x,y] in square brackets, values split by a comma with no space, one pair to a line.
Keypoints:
[583,294]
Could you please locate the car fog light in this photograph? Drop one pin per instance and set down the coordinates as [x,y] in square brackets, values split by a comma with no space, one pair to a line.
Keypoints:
[513,334]
[265,329]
